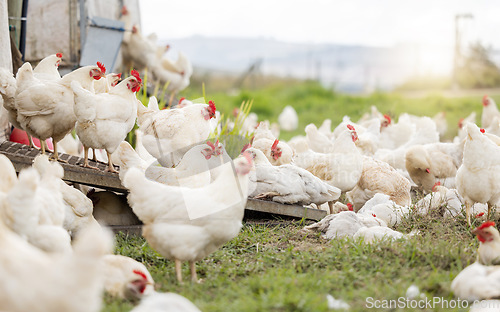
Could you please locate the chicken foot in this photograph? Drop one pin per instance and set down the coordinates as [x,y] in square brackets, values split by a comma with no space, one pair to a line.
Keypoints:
[110,168]
[194,276]
[170,99]
[86,159]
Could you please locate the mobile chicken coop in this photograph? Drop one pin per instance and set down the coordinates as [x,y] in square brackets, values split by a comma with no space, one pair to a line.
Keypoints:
[85,31]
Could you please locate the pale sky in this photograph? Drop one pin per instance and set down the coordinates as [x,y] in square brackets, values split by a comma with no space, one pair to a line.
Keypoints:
[359,22]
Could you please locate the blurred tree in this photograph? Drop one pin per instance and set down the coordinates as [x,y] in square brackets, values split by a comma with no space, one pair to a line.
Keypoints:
[477,69]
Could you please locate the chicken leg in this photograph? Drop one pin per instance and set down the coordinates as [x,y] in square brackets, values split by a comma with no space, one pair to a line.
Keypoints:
[489,210]
[194,276]
[86,159]
[467,211]
[55,155]
[110,163]
[178,272]
[330,206]
[43,146]
[94,155]
[170,99]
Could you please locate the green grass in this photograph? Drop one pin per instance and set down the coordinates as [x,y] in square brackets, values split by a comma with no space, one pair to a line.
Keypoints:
[281,268]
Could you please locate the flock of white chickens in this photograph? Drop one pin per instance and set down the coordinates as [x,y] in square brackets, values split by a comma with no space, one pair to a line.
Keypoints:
[190,195]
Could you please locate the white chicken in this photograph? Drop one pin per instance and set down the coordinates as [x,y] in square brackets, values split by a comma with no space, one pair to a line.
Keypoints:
[396,134]
[288,119]
[430,163]
[446,202]
[384,208]
[126,278]
[45,107]
[103,120]
[177,74]
[379,177]
[277,152]
[169,133]
[477,282]
[342,167]
[48,67]
[165,302]
[287,184]
[187,224]
[477,180]
[488,252]
[317,141]
[490,112]
[343,224]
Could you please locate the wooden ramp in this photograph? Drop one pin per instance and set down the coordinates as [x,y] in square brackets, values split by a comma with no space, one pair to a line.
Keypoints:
[22,156]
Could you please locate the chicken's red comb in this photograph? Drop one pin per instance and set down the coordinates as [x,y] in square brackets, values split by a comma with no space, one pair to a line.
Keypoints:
[388,118]
[182,99]
[245,147]
[482,130]
[119,75]
[486,224]
[59,55]
[275,144]
[436,184]
[349,206]
[461,123]
[101,67]
[135,73]
[140,273]
[212,107]
[212,145]
[374,215]
[124,10]
[351,127]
